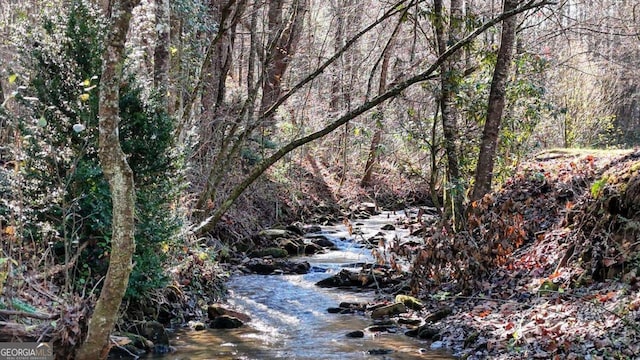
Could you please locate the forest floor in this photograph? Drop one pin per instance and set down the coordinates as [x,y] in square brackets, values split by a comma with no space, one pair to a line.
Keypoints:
[562,280]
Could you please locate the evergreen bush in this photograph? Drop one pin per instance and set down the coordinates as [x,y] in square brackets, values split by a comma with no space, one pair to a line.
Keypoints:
[66,197]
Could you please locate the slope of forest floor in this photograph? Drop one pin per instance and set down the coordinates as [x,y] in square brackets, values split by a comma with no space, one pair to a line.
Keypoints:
[562,274]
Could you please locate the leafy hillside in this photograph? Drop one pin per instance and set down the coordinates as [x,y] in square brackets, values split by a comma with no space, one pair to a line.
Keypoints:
[548,265]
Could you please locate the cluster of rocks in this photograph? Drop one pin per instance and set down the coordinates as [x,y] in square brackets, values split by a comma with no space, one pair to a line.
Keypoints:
[368,277]
[279,245]
[220,317]
[401,315]
[151,337]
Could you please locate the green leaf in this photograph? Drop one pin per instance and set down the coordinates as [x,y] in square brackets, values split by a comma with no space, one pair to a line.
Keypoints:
[597,187]
[13,78]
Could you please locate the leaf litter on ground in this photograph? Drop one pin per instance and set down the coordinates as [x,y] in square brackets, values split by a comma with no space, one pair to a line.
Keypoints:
[558,276]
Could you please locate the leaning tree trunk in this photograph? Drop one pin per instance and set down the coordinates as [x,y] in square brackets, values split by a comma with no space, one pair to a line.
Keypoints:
[484,169]
[120,177]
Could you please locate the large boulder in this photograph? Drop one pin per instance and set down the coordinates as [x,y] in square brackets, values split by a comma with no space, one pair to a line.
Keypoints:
[268,266]
[225,322]
[425,332]
[368,278]
[217,310]
[344,278]
[311,248]
[293,246]
[298,246]
[322,241]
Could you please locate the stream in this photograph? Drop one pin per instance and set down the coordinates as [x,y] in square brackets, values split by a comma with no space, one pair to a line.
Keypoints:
[289,313]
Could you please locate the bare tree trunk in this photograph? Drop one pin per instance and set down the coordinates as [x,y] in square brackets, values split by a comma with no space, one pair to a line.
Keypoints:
[484,169]
[283,43]
[336,82]
[376,139]
[253,50]
[162,61]
[214,79]
[120,177]
[449,77]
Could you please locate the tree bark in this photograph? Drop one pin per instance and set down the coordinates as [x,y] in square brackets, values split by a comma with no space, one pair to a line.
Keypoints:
[484,169]
[120,178]
[336,101]
[228,14]
[283,43]
[449,78]
[376,139]
[161,58]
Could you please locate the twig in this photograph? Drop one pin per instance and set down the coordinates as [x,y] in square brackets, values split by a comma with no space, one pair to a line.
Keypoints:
[115,343]
[59,268]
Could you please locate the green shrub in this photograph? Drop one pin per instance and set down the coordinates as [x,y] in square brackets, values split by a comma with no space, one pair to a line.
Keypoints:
[66,197]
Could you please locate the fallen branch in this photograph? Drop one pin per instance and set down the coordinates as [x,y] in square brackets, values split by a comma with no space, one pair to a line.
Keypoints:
[35,315]
[10,330]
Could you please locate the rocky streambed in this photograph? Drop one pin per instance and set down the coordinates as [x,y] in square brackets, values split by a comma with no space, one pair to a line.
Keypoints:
[317,293]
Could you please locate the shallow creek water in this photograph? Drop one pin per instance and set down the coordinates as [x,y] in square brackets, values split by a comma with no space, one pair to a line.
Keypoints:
[289,313]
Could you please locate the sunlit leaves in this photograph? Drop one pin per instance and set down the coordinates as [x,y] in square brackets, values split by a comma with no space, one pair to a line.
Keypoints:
[598,186]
